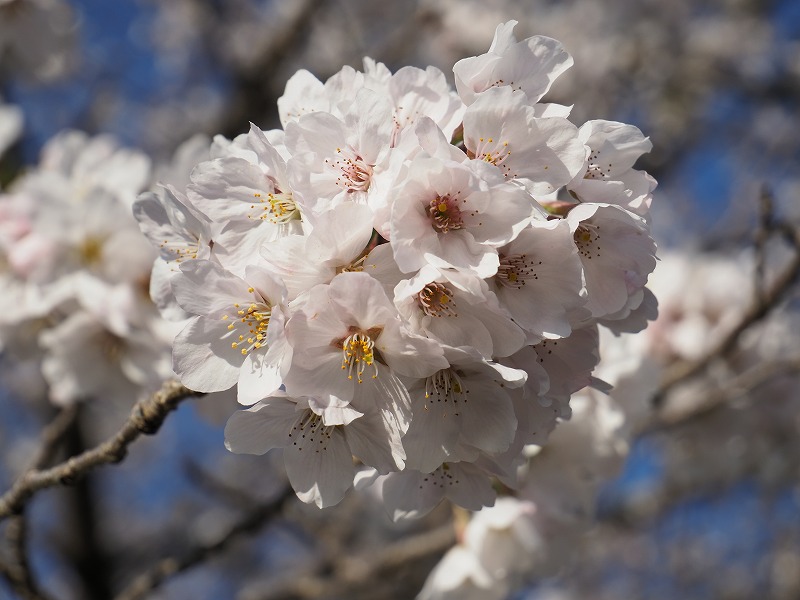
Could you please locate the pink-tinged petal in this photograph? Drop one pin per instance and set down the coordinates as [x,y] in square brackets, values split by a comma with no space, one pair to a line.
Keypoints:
[361,299]
[463,330]
[318,370]
[435,428]
[410,494]
[205,288]
[370,117]
[617,253]
[374,444]
[334,411]
[410,355]
[266,284]
[303,94]
[539,281]
[502,129]
[262,427]
[232,189]
[488,420]
[569,363]
[388,394]
[320,467]
[296,264]
[343,233]
[380,265]
[419,94]
[467,485]
[203,358]
[170,225]
[637,319]
[530,65]
[259,377]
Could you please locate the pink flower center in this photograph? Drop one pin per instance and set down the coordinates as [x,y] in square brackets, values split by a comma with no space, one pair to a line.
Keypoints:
[446,386]
[436,300]
[515,270]
[587,239]
[353,172]
[445,214]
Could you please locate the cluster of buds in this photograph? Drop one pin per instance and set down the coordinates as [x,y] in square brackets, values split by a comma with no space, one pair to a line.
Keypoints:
[405,273]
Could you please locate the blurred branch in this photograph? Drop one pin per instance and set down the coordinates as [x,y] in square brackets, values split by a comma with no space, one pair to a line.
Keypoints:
[217,488]
[148,581]
[146,417]
[18,572]
[737,387]
[765,221]
[684,371]
[85,550]
[352,572]
[254,90]
[53,434]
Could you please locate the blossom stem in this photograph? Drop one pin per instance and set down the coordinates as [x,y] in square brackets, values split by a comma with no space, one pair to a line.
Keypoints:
[146,418]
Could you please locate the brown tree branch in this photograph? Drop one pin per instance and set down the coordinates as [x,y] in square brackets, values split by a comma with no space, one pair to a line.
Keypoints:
[684,371]
[350,573]
[146,417]
[765,223]
[738,387]
[252,89]
[52,435]
[18,572]
[148,581]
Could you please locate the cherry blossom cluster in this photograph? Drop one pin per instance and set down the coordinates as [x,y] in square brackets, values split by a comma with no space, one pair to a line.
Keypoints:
[532,534]
[406,274]
[75,314]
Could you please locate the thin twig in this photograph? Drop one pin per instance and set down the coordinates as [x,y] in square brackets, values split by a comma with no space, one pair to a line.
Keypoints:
[19,572]
[252,90]
[350,573]
[763,231]
[684,371]
[736,388]
[146,418]
[217,488]
[148,581]
[52,435]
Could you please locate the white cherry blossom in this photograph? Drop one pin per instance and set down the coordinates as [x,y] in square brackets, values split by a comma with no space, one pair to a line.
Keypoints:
[539,280]
[319,440]
[617,254]
[530,65]
[352,336]
[455,215]
[542,154]
[464,408]
[456,309]
[334,159]
[410,494]
[609,176]
[238,333]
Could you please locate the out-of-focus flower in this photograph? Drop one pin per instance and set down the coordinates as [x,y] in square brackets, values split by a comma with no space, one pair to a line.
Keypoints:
[77,269]
[37,37]
[10,125]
